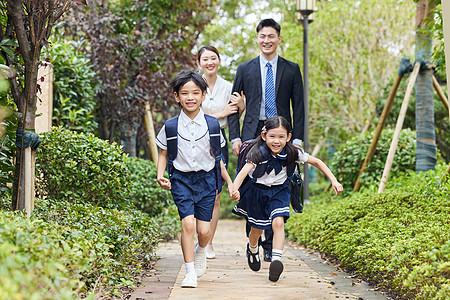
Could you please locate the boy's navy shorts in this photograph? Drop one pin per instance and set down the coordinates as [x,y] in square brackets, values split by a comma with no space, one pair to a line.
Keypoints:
[194,193]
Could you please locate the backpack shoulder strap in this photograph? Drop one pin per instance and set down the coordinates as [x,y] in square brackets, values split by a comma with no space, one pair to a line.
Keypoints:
[214,140]
[172,142]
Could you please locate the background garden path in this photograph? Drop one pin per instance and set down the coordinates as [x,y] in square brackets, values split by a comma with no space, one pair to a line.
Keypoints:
[306,275]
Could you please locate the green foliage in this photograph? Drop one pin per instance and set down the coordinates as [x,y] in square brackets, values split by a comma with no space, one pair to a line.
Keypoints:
[68,250]
[74,88]
[130,237]
[145,193]
[398,239]
[81,168]
[7,140]
[347,161]
[43,260]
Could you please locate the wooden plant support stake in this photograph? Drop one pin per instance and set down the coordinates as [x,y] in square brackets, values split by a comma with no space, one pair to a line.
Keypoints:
[398,128]
[28,181]
[151,133]
[380,126]
[441,94]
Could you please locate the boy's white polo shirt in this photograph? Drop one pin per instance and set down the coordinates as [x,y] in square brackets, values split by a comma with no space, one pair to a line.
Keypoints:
[194,148]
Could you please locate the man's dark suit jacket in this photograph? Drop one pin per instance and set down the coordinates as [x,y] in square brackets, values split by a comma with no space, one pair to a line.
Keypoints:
[288,88]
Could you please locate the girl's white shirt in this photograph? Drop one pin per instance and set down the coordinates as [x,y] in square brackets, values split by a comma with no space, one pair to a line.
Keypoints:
[272,179]
[194,148]
[216,99]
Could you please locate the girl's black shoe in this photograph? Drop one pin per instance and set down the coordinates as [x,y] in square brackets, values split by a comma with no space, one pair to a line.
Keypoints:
[275,270]
[253,259]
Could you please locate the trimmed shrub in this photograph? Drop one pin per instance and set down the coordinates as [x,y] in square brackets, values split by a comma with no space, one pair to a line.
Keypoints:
[347,161]
[129,238]
[81,168]
[41,260]
[145,193]
[398,239]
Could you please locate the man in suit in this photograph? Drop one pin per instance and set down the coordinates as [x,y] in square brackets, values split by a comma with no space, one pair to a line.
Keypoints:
[271,84]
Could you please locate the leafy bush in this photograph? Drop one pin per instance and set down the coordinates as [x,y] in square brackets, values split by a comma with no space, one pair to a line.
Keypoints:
[43,260]
[347,161]
[398,239]
[74,87]
[81,168]
[131,237]
[145,193]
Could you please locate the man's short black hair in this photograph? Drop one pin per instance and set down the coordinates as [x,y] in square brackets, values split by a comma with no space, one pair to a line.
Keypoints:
[269,23]
[184,77]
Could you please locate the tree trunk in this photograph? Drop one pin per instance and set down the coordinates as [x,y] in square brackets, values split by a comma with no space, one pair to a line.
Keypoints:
[425,127]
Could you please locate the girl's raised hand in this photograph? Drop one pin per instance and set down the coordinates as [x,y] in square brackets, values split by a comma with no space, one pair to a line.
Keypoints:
[337,187]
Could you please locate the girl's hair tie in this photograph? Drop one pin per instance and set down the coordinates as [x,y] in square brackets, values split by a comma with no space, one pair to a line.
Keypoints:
[264,130]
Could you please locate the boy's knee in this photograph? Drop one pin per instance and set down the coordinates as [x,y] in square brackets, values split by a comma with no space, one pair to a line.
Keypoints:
[188,224]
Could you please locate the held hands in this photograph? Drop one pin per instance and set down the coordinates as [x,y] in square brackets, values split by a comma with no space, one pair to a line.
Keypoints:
[230,108]
[164,183]
[234,193]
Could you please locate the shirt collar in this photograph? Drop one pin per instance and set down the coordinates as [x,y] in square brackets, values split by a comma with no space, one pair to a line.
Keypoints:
[264,61]
[185,120]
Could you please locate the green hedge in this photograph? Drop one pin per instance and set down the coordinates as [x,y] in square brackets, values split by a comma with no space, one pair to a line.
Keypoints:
[399,239]
[347,161]
[145,193]
[81,168]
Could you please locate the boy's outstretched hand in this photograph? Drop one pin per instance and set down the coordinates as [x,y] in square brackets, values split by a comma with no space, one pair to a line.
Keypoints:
[164,183]
[337,187]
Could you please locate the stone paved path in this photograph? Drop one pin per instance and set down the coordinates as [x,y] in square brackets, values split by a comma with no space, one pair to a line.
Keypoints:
[228,276]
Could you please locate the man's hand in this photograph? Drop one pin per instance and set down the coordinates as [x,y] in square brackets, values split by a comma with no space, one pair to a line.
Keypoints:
[236,147]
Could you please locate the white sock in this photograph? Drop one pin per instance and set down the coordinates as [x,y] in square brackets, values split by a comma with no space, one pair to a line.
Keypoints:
[253,249]
[199,249]
[276,254]
[189,267]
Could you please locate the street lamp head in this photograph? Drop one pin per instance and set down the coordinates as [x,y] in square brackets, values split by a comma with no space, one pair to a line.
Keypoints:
[306,7]
[300,17]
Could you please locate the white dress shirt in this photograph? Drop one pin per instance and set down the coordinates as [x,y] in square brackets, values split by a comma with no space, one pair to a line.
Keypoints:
[216,99]
[194,149]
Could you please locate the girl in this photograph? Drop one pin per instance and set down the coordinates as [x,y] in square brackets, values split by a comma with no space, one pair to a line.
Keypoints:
[218,103]
[265,201]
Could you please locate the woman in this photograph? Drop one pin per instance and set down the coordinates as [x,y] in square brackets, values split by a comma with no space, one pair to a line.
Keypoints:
[218,103]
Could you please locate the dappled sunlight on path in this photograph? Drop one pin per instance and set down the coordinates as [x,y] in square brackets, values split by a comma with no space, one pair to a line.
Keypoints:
[229,277]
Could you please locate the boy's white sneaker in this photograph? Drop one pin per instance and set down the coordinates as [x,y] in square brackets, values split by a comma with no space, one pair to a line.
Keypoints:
[190,280]
[210,252]
[199,261]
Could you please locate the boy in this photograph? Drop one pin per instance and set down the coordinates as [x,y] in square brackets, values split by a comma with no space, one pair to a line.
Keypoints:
[193,181]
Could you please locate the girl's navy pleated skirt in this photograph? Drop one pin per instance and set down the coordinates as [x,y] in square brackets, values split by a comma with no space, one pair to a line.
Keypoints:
[260,204]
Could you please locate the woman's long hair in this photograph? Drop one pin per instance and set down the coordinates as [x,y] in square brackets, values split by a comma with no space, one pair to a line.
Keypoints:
[256,153]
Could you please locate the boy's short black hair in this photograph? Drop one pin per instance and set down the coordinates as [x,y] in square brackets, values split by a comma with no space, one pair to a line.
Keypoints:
[269,23]
[184,77]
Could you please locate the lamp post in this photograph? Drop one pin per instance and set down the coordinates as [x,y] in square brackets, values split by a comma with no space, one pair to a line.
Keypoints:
[305,8]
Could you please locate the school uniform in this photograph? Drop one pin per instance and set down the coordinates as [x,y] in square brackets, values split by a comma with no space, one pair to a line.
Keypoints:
[193,181]
[268,196]
[215,102]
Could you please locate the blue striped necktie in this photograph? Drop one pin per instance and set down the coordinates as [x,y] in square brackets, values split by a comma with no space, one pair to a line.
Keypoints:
[270,93]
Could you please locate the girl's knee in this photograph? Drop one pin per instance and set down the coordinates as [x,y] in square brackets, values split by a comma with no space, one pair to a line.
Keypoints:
[278,223]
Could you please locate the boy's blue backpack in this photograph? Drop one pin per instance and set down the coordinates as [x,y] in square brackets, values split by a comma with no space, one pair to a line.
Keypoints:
[214,139]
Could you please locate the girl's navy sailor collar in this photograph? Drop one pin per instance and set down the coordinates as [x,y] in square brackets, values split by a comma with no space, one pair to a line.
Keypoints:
[270,162]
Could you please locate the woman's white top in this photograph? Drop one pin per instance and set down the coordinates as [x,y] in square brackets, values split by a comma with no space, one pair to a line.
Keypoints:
[194,148]
[272,179]
[216,99]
